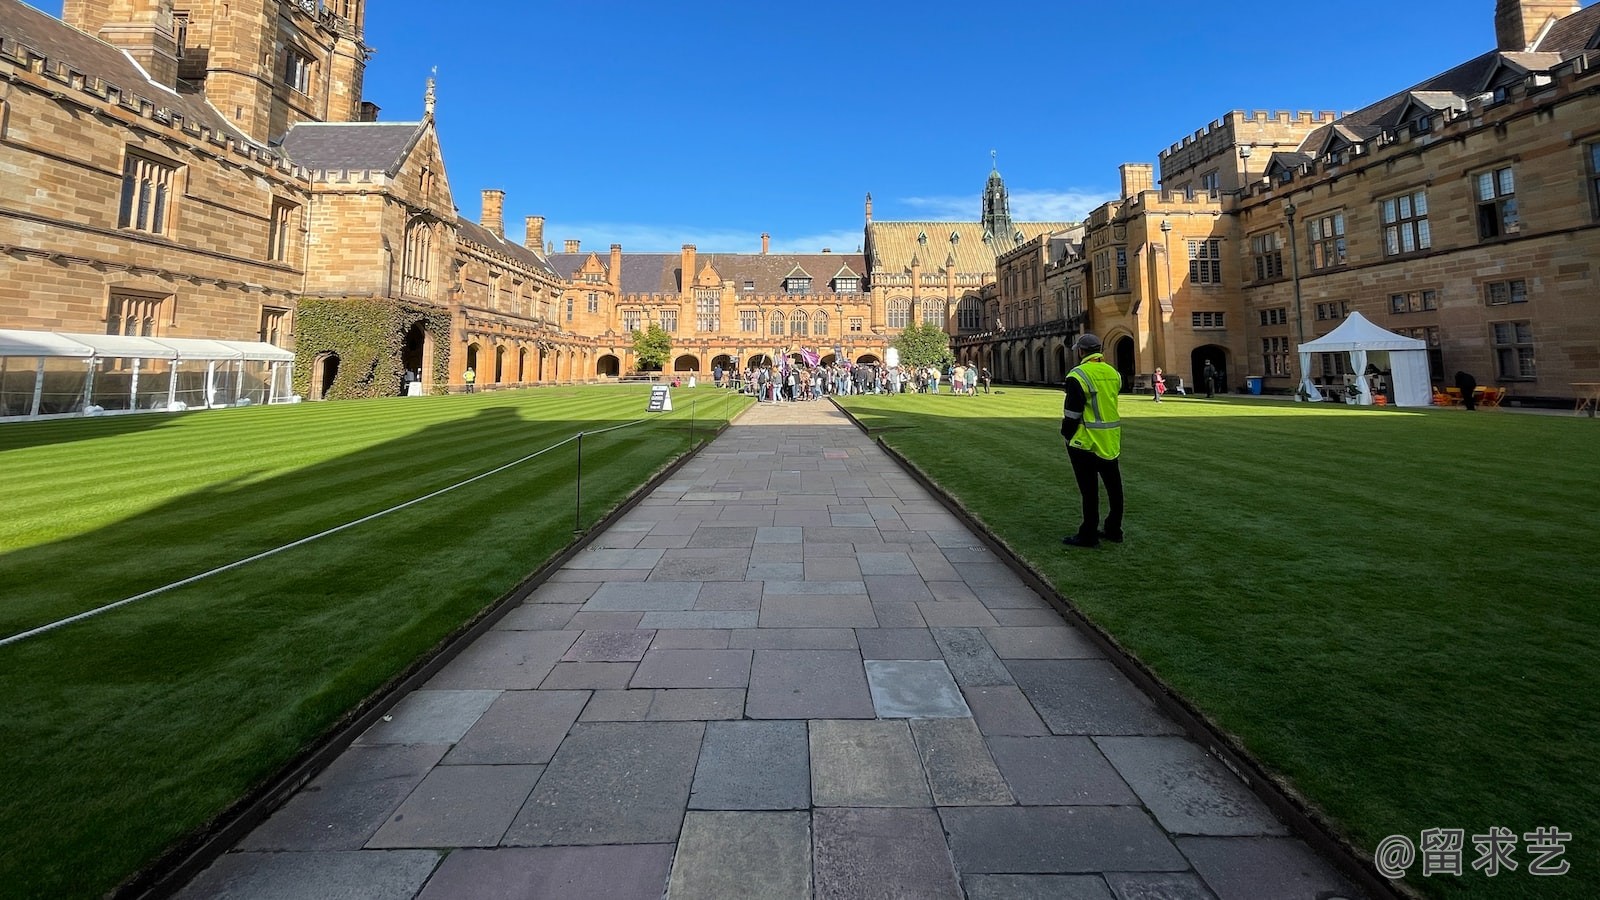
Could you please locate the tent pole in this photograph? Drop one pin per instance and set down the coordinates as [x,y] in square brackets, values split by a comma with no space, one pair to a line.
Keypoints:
[38,387]
[172,382]
[133,386]
[88,385]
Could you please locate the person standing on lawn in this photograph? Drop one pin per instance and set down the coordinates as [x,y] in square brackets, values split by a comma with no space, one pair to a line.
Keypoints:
[1210,377]
[1468,386]
[1093,432]
[1160,385]
[470,376]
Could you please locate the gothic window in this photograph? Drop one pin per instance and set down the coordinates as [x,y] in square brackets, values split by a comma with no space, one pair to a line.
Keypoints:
[417,270]
[776,324]
[147,187]
[969,314]
[933,313]
[297,70]
[797,323]
[708,311]
[819,323]
[899,313]
[283,215]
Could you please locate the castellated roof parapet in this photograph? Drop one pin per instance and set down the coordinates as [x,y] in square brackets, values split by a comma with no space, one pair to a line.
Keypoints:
[65,83]
[1259,117]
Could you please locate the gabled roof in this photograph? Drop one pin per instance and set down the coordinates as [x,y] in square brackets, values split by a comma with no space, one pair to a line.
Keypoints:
[894,244]
[845,272]
[353,146]
[659,273]
[62,44]
[483,237]
[1573,34]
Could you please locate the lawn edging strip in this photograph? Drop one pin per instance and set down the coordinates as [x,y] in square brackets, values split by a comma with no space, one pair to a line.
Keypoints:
[176,867]
[1301,818]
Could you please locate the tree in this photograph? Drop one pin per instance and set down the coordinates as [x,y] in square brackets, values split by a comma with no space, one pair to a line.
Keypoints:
[923,345]
[652,347]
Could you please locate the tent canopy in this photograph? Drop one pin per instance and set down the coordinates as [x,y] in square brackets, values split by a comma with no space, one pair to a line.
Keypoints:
[14,342]
[1406,358]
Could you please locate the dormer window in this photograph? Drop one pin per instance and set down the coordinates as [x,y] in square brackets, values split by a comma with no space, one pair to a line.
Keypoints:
[795,284]
[749,287]
[922,238]
[847,285]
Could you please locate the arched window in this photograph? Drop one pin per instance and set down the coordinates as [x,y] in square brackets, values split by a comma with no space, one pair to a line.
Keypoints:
[899,313]
[969,314]
[933,312]
[797,323]
[417,267]
[819,323]
[776,326]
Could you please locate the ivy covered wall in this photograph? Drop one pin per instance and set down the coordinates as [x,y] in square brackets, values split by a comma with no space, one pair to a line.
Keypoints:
[368,335]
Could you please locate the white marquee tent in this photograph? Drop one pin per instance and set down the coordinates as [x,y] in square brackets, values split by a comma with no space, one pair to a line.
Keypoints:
[49,374]
[1405,359]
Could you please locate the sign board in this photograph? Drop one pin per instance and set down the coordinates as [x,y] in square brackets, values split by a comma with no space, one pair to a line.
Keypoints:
[660,399]
[892,356]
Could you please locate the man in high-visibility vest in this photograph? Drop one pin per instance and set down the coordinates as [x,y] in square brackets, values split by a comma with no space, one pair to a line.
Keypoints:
[470,376]
[1093,430]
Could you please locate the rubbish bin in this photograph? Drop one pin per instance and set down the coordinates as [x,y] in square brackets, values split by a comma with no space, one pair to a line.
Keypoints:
[1253,382]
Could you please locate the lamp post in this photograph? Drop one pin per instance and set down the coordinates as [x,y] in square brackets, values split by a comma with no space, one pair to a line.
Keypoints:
[1299,308]
[1244,156]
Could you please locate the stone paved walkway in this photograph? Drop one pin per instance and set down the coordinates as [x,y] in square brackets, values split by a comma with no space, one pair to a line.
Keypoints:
[789,672]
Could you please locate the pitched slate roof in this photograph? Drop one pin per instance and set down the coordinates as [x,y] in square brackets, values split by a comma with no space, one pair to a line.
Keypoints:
[1572,34]
[895,244]
[659,273]
[60,43]
[353,146]
[483,237]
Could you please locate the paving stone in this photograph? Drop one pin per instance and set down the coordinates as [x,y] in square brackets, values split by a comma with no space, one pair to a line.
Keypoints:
[1057,840]
[612,783]
[618,706]
[723,536]
[753,765]
[1188,790]
[633,872]
[348,802]
[1052,642]
[575,676]
[691,639]
[881,853]
[865,764]
[729,595]
[558,592]
[614,559]
[459,806]
[836,534]
[644,597]
[1059,771]
[897,588]
[953,591]
[813,549]
[693,669]
[699,619]
[561,576]
[696,704]
[816,612]
[612,539]
[729,568]
[1244,868]
[891,563]
[898,615]
[1087,696]
[1009,596]
[831,568]
[850,519]
[970,658]
[507,660]
[914,688]
[538,617]
[813,588]
[742,854]
[960,539]
[363,875]
[664,541]
[897,643]
[808,684]
[935,566]
[1001,709]
[429,717]
[813,517]
[775,571]
[794,639]
[955,614]
[521,727]
[609,646]
[1027,617]
[1036,887]
[1158,886]
[957,763]
[605,621]
[778,534]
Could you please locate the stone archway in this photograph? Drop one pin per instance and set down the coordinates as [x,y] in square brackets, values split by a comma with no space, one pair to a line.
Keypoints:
[1122,353]
[867,359]
[686,363]
[608,366]
[324,373]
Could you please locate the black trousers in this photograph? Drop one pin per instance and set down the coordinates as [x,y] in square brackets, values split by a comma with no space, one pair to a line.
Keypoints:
[1090,469]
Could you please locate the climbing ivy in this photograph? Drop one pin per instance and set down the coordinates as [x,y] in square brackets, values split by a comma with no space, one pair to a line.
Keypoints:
[368,335]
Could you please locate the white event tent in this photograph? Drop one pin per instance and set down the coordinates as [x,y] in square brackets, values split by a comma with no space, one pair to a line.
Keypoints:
[1405,359]
[45,374]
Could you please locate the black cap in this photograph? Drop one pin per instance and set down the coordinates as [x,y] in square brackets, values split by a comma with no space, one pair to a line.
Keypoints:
[1087,343]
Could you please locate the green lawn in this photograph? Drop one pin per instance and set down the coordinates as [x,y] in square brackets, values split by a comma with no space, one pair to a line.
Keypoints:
[127,731]
[1396,610]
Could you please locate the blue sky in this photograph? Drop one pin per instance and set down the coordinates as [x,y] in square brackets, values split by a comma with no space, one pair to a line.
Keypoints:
[656,124]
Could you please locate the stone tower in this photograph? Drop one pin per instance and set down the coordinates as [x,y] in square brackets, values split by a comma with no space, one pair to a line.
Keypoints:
[996,207]
[143,28]
[1518,24]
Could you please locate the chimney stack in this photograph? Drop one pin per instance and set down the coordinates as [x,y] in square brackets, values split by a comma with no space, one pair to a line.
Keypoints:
[535,239]
[616,268]
[766,243]
[1519,24]
[1136,178]
[494,212]
[571,246]
[369,111]
[686,278]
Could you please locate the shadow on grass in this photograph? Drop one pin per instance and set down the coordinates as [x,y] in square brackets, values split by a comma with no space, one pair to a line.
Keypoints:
[129,730]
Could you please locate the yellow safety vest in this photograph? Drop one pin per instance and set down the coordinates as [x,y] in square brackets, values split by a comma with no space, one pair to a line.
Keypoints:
[1101,427]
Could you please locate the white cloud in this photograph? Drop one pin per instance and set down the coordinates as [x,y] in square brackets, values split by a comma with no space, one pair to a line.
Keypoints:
[650,238]
[1026,206]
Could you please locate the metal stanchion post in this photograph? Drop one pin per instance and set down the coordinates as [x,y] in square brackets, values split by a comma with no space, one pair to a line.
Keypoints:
[691,423]
[577,510]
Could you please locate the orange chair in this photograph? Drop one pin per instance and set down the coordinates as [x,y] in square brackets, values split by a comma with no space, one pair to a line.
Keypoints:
[1441,398]
[1380,400]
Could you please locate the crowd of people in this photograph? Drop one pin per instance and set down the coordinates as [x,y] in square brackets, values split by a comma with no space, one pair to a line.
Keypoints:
[791,381]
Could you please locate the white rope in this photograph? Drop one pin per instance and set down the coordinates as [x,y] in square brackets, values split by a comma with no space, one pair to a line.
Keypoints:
[305,540]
